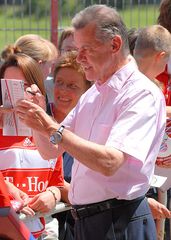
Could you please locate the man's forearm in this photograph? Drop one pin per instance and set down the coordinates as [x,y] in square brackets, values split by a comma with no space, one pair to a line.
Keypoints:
[100,158]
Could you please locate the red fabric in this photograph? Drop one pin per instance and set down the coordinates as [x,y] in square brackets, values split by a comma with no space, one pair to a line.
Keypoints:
[15,142]
[164,79]
[21,164]
[4,196]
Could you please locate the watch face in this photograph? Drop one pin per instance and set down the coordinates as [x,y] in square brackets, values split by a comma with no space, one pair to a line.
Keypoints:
[55,138]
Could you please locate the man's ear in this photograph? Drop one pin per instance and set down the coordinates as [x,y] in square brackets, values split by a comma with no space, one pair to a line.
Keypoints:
[116,43]
[161,55]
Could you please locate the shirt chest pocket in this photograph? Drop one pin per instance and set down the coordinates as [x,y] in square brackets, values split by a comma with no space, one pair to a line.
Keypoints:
[100,133]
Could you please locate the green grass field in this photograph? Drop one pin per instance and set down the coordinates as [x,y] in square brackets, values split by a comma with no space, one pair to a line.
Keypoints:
[12,27]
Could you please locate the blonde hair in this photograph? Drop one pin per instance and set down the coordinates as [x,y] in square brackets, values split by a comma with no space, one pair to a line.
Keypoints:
[154,38]
[36,47]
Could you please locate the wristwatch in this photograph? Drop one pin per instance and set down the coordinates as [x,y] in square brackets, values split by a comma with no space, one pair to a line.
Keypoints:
[56,137]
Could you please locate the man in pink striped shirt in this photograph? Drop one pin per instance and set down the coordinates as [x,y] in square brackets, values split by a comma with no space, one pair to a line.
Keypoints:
[114,133]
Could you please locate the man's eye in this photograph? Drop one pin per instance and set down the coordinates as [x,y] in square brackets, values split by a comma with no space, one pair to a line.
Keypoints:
[87,49]
[72,86]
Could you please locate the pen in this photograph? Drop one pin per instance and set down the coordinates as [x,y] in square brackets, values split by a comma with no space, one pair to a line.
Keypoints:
[32,93]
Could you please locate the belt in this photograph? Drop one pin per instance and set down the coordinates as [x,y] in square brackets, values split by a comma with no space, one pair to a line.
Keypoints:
[83,211]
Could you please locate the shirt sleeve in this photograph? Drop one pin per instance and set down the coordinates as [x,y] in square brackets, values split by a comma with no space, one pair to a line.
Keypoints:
[136,125]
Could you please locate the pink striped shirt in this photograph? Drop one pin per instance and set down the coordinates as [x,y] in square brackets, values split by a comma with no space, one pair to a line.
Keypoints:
[127,113]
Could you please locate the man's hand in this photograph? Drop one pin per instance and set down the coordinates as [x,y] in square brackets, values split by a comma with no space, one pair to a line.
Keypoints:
[158,210]
[34,94]
[34,116]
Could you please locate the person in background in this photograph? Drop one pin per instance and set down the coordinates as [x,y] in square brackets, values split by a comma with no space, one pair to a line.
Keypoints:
[151,52]
[66,41]
[113,139]
[69,84]
[21,163]
[41,50]
[132,37]
[164,19]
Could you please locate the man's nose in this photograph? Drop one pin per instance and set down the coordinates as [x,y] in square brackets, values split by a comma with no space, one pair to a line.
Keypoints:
[80,56]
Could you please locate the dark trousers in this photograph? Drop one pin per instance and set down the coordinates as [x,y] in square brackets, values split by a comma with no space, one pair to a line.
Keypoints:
[128,220]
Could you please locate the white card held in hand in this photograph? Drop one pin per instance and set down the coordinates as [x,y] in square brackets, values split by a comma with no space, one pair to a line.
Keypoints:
[12,91]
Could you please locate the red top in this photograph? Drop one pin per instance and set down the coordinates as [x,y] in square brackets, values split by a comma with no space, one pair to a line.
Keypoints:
[164,79]
[21,164]
[4,196]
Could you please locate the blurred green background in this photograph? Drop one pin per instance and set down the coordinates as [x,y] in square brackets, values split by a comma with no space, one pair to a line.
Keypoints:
[34,16]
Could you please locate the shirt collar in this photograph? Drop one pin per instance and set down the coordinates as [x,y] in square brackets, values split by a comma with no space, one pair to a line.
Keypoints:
[119,78]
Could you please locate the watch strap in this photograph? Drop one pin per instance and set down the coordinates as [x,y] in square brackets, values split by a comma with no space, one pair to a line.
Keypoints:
[61,129]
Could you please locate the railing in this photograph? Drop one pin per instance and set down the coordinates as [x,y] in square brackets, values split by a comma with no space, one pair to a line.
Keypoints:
[48,18]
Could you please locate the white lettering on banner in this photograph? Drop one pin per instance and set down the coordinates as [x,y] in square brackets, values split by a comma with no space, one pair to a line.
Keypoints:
[35,185]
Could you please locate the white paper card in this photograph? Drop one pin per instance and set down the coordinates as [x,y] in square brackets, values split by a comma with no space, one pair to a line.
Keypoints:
[12,91]
[158,181]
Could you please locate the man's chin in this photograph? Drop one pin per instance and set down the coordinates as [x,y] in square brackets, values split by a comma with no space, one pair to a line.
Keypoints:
[90,76]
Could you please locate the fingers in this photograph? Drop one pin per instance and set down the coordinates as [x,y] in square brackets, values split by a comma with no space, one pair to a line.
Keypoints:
[35,203]
[34,95]
[28,211]
[167,213]
[42,202]
[41,101]
[35,89]
[163,212]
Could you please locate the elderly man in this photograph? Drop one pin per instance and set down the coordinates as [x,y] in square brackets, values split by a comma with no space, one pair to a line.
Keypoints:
[114,133]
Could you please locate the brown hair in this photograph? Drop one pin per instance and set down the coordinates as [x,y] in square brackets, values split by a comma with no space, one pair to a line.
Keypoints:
[65,34]
[68,60]
[28,66]
[164,17]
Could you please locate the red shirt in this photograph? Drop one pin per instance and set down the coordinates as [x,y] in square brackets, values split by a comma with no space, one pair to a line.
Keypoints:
[21,164]
[4,196]
[164,79]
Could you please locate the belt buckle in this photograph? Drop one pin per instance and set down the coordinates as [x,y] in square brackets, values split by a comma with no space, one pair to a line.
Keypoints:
[74,213]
